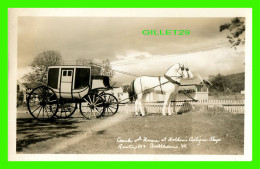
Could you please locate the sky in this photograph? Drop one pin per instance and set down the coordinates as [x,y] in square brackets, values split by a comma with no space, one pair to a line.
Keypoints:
[205,50]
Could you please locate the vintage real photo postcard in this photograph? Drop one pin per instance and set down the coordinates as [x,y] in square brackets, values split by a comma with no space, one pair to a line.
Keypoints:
[130,84]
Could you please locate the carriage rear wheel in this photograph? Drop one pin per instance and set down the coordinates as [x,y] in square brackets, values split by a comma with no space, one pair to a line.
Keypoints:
[110,103]
[42,103]
[92,106]
[66,109]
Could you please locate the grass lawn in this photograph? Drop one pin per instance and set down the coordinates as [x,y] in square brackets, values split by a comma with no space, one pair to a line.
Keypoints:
[199,131]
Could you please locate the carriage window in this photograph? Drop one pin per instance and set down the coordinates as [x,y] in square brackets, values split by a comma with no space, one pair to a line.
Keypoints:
[64,73]
[69,73]
[53,77]
[82,78]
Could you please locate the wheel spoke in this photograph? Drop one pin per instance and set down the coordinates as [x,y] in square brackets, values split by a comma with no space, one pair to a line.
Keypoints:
[97,100]
[46,93]
[43,112]
[90,99]
[85,106]
[105,97]
[52,101]
[36,109]
[47,112]
[87,101]
[112,100]
[91,112]
[39,112]
[94,99]
[113,107]
[113,103]
[98,104]
[106,109]
[98,111]
[110,109]
[51,95]
[51,111]
[88,109]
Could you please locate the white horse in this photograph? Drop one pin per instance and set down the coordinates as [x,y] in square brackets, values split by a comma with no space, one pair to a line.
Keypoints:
[168,85]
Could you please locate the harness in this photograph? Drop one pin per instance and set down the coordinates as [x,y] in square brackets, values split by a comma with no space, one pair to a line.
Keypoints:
[171,80]
[160,84]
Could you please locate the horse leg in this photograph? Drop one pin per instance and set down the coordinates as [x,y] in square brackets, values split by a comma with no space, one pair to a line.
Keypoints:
[140,104]
[174,103]
[165,104]
[170,111]
[136,107]
[169,106]
[173,108]
[143,100]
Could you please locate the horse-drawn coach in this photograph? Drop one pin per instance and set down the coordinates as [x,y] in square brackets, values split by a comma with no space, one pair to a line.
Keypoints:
[70,87]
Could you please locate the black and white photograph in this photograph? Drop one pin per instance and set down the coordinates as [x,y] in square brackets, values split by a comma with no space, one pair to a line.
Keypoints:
[130,84]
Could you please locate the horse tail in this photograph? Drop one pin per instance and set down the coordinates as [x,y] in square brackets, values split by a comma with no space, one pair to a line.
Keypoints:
[131,92]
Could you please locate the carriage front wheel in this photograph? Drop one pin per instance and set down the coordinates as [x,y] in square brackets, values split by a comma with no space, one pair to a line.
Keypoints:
[110,103]
[42,103]
[92,106]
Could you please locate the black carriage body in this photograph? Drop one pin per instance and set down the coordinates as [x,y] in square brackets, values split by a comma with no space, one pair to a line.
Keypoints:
[67,87]
[69,82]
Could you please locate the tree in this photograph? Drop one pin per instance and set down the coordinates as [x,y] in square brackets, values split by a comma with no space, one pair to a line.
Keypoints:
[40,66]
[237,31]
[19,99]
[106,69]
[95,68]
[103,68]
[126,88]
[219,83]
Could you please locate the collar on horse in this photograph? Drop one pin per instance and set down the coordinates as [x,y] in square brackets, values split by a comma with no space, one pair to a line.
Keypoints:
[171,80]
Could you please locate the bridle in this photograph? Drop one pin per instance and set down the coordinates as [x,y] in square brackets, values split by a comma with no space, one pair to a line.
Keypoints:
[181,75]
[182,69]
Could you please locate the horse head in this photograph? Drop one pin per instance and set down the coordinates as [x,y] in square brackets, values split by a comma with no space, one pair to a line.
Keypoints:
[179,70]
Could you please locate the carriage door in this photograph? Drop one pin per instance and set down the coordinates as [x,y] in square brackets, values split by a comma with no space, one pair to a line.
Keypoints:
[66,82]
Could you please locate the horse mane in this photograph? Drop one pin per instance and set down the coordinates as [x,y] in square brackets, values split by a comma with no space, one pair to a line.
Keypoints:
[172,67]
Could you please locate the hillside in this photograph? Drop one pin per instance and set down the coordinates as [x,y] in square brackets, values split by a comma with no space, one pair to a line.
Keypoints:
[236,82]
[233,82]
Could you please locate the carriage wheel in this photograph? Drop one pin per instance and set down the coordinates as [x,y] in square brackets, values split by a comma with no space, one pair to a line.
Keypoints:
[42,103]
[110,103]
[66,109]
[92,106]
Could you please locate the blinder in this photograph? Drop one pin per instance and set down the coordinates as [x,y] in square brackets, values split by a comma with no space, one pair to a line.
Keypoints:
[182,67]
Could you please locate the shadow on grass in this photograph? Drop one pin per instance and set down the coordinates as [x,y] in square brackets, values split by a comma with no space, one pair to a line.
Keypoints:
[31,131]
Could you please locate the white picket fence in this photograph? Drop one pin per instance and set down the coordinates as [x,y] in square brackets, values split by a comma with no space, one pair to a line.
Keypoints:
[232,106]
